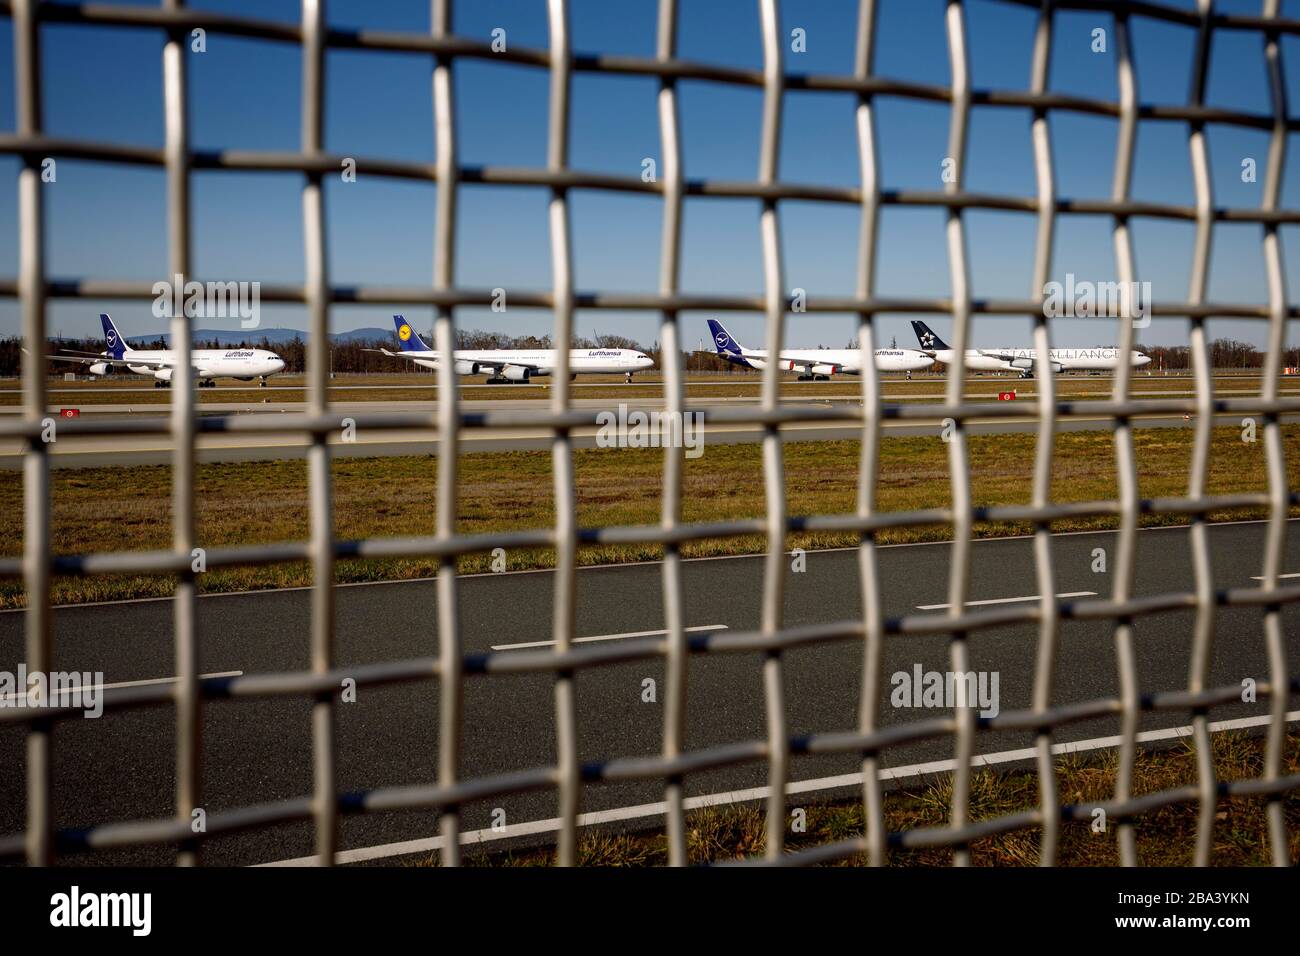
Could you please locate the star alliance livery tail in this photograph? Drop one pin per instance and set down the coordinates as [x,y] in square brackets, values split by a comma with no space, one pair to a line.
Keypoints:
[929,341]
[407,339]
[117,346]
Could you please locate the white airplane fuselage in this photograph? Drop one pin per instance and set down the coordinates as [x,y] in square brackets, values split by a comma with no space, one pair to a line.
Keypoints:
[246,364]
[841,361]
[539,362]
[1101,358]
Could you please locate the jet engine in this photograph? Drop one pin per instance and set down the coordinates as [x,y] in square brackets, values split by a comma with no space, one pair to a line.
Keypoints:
[516,373]
[1028,365]
[163,374]
[99,368]
[466,368]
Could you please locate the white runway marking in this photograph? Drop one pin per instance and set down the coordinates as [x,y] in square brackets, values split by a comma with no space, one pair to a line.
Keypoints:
[632,564]
[429,844]
[1257,577]
[1014,600]
[607,637]
[22,698]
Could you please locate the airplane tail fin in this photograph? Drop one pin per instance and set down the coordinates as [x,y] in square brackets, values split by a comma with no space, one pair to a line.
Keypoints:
[407,339]
[117,346]
[925,335]
[723,340]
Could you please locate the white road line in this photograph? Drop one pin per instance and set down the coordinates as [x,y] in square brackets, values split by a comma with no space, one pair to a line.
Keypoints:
[85,688]
[607,637]
[552,825]
[1014,600]
[1256,577]
[636,564]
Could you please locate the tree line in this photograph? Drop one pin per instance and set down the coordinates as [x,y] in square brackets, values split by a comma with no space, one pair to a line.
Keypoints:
[1224,354]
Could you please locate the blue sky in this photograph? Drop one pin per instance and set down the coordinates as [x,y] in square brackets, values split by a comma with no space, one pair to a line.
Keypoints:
[108,221]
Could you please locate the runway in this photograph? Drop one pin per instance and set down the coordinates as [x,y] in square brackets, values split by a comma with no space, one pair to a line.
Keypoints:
[95,451]
[120,767]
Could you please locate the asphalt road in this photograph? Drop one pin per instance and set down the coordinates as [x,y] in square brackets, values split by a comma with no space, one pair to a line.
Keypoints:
[96,451]
[120,767]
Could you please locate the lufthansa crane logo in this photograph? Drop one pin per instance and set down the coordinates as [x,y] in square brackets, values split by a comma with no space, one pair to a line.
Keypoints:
[722,339]
[111,338]
[404,333]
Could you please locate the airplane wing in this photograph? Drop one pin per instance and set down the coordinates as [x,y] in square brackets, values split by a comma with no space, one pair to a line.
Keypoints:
[105,360]
[484,368]
[409,356]
[1022,362]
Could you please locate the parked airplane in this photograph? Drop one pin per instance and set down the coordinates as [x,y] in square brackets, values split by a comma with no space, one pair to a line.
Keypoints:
[516,365]
[1024,360]
[816,363]
[209,364]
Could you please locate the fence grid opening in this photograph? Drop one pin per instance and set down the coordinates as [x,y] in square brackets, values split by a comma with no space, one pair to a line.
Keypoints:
[450,667]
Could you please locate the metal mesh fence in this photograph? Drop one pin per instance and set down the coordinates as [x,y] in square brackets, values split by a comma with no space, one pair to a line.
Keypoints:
[452,667]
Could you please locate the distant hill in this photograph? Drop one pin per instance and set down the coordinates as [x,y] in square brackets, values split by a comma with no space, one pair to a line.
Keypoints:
[355,335]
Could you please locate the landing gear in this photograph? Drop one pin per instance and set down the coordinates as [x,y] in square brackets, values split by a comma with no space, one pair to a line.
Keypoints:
[263,381]
[1027,373]
[629,378]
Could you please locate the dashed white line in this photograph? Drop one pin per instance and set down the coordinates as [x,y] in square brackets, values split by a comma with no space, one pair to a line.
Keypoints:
[607,637]
[1010,600]
[632,564]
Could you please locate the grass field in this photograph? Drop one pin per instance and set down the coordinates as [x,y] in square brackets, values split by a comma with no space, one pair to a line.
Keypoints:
[115,509]
[1165,837]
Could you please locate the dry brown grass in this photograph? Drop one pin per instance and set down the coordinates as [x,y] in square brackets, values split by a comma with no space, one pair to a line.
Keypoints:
[1165,837]
[114,509]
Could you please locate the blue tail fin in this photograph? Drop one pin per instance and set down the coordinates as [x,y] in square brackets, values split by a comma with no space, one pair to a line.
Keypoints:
[407,339]
[112,337]
[925,335]
[723,340]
